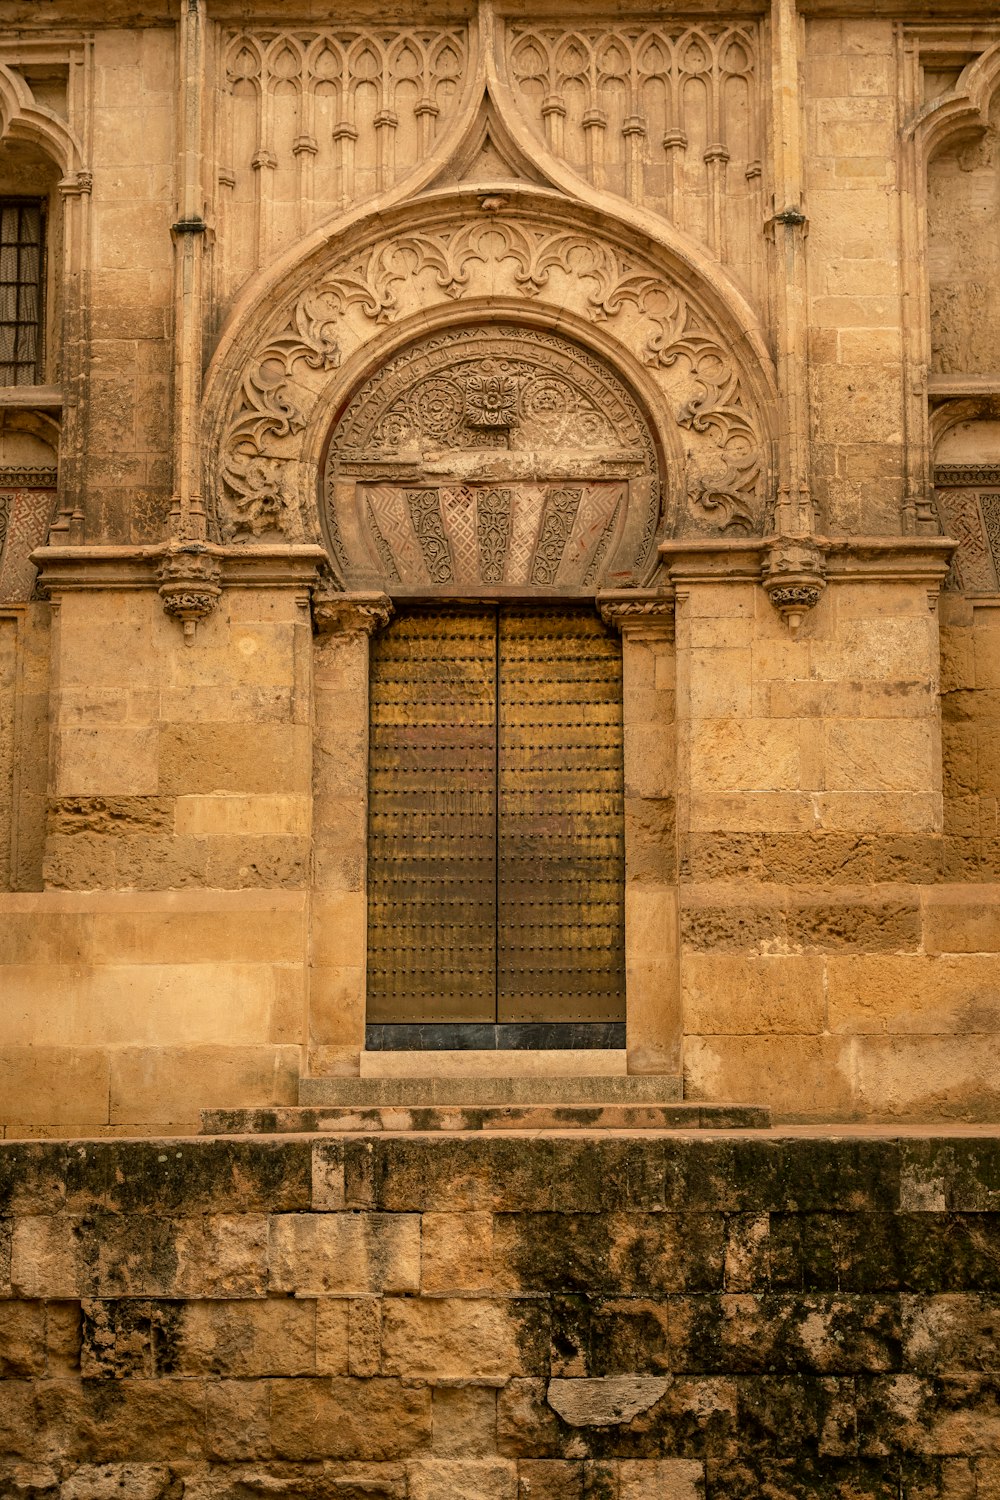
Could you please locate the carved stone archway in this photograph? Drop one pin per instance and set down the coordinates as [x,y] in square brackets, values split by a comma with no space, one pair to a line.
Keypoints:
[461,258]
[487,459]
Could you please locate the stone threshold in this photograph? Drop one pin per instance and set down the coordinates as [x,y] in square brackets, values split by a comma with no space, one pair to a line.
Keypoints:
[373,1092]
[444,1118]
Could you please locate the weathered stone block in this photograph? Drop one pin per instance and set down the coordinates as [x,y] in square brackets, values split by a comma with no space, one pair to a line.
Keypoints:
[636,1253]
[237,1419]
[462,1479]
[22,1339]
[111,1256]
[456,1252]
[343,1418]
[235,1340]
[463,1338]
[465,1421]
[348,1254]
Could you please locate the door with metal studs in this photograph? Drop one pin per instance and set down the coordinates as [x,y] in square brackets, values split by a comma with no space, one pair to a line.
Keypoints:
[496,843]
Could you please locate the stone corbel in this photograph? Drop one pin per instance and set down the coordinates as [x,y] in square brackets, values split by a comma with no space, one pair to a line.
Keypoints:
[794,577]
[349,614]
[190,575]
[638,613]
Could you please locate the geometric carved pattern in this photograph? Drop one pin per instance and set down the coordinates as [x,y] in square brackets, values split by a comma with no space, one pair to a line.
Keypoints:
[972,516]
[25,516]
[546,471]
[429,537]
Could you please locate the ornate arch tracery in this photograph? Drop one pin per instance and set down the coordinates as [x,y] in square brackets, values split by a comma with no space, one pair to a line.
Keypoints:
[527,256]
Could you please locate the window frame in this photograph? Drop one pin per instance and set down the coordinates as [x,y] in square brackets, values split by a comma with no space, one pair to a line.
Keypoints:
[37,368]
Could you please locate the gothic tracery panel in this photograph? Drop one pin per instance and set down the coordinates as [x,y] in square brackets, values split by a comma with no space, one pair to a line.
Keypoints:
[313,121]
[487,458]
[667,116]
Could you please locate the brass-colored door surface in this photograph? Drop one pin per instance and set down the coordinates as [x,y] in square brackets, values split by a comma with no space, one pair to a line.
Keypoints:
[432,818]
[496,844]
[560,836]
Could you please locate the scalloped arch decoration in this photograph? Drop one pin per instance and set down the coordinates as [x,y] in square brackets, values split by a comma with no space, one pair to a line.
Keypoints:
[963,110]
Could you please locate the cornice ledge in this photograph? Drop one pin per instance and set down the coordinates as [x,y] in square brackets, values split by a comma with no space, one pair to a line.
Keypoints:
[714,559]
[138,567]
[888,559]
[922,559]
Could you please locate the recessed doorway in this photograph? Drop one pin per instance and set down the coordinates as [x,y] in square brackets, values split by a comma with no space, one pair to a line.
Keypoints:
[496,829]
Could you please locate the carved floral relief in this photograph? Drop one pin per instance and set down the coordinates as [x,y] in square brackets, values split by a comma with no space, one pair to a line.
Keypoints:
[722,486]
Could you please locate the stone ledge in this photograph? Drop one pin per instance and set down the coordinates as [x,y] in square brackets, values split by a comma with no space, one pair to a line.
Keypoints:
[465,1117]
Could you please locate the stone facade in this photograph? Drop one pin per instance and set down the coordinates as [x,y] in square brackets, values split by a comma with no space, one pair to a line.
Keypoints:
[742,268]
[599,1319]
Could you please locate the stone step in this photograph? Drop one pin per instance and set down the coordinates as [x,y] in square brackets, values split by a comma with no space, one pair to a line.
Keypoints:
[344,1120]
[389,1092]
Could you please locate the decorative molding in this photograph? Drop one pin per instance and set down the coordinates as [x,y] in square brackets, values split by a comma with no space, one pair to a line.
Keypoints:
[794,577]
[17,477]
[355,613]
[724,438]
[965,476]
[190,578]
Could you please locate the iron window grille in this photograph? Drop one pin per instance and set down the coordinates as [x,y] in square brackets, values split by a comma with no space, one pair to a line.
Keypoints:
[22,285]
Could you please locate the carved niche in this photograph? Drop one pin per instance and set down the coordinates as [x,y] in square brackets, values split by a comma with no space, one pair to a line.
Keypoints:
[491,458]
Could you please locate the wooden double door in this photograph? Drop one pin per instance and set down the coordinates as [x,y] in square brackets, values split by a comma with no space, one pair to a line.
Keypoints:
[496,841]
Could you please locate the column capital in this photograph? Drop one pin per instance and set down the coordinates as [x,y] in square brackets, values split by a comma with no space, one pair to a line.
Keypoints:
[350,614]
[638,612]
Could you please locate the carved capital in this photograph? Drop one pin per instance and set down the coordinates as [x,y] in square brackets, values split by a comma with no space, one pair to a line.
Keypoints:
[350,614]
[638,612]
[190,584]
[794,577]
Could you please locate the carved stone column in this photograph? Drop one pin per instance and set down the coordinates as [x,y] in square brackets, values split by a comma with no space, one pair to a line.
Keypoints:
[653,1013]
[338,948]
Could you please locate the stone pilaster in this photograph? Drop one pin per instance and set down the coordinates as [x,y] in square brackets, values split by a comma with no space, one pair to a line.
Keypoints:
[344,625]
[646,622]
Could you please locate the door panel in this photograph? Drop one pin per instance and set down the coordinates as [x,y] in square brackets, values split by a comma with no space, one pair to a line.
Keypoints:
[496,842]
[560,838]
[432,818]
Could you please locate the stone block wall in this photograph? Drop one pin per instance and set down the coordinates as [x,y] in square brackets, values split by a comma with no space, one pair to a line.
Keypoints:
[176,767]
[652,1318]
[128,1011]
